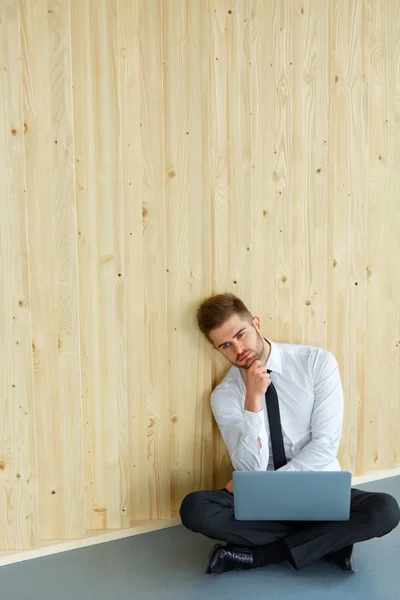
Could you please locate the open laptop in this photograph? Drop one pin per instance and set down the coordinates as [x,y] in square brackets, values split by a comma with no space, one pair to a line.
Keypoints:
[292,495]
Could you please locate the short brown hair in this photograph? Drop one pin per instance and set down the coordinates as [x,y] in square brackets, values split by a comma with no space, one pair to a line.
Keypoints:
[214,311]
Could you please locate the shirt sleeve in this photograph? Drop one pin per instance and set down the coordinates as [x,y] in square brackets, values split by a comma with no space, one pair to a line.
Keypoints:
[326,418]
[240,430]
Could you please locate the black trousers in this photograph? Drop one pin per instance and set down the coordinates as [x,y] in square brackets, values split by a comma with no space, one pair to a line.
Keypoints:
[211,514]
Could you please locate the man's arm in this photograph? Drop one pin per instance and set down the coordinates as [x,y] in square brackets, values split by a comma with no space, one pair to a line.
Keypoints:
[244,434]
[326,419]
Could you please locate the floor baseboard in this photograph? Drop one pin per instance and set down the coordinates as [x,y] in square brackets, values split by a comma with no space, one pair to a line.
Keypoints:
[48,547]
[374,476]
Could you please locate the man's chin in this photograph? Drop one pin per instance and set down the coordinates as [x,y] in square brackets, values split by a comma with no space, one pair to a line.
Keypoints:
[247,364]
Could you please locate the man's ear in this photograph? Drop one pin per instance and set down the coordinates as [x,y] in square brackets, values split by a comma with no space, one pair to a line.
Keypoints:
[257,323]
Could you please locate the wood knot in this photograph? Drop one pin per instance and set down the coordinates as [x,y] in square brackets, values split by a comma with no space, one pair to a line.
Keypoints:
[144,211]
[2,465]
[308,303]
[319,170]
[275,176]
[265,212]
[302,10]
[53,492]
[334,263]
[22,303]
[336,78]
[13,132]
[174,419]
[18,475]
[284,278]
[171,174]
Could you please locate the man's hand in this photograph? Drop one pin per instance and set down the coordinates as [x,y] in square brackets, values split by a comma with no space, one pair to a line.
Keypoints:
[256,380]
[229,486]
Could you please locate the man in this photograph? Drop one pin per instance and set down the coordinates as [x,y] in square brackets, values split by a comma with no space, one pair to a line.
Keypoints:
[310,393]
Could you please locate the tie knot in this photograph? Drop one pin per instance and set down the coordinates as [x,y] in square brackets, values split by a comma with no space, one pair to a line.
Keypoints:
[268,370]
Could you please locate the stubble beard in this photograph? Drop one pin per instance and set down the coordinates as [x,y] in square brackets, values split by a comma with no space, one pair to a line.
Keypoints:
[260,350]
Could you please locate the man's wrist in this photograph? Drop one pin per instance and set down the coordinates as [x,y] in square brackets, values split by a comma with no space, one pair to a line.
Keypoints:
[253,403]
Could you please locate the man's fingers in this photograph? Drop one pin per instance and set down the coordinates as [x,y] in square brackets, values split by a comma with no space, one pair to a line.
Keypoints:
[256,364]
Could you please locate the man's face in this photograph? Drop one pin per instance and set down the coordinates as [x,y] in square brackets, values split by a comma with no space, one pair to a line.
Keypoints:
[239,341]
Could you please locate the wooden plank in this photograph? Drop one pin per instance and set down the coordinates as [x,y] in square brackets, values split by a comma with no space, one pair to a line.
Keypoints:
[271,143]
[84,146]
[230,166]
[140,37]
[383,335]
[309,180]
[130,82]
[347,219]
[186,103]
[394,20]
[102,262]
[352,68]
[337,266]
[53,266]
[19,523]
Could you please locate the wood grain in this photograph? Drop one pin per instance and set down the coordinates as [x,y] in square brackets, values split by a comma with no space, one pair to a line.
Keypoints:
[19,524]
[46,82]
[383,335]
[341,227]
[271,143]
[230,169]
[170,150]
[102,257]
[188,266]
[140,31]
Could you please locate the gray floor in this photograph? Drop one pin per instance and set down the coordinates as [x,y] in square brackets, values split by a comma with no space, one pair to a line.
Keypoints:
[170,563]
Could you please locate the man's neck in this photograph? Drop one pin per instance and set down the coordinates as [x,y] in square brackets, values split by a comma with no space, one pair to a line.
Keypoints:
[267,348]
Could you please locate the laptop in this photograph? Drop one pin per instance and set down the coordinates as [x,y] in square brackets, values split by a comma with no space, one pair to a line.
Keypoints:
[292,495]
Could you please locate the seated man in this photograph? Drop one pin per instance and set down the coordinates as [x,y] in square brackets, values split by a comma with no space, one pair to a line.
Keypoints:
[309,388]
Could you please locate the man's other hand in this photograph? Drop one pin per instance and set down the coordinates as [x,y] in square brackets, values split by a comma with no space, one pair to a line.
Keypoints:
[229,486]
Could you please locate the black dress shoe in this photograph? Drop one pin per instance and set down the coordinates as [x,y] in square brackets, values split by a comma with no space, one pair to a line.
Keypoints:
[229,558]
[344,558]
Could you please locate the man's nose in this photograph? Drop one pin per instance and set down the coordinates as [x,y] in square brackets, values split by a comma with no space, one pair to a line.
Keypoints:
[239,348]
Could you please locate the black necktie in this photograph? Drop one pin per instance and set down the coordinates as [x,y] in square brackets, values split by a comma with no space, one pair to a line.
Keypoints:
[275,428]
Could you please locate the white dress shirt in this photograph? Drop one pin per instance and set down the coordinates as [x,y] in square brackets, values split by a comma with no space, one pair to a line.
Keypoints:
[310,393]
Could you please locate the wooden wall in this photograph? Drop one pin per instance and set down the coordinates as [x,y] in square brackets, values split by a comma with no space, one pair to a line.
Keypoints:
[153,152]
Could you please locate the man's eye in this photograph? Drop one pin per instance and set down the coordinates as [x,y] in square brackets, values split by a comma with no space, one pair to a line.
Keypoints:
[225,346]
[241,334]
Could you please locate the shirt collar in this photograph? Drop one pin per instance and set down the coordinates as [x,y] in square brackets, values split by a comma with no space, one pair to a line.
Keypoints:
[274,362]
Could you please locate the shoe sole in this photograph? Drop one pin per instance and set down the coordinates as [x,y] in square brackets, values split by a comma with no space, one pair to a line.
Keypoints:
[351,561]
[353,564]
